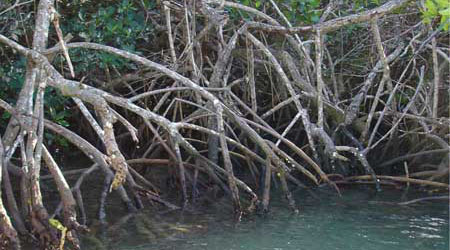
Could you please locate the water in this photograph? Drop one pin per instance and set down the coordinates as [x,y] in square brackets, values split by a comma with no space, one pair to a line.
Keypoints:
[358,220]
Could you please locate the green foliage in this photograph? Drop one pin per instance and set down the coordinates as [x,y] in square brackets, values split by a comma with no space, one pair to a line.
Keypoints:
[59,141]
[301,12]
[437,8]
[11,79]
[358,4]
[12,26]
[119,24]
[56,110]
[55,107]
[296,11]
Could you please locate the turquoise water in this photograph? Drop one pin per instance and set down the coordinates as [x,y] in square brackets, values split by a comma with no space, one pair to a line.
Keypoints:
[360,219]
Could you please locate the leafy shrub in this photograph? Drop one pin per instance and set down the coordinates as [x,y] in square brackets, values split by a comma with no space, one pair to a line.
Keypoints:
[437,8]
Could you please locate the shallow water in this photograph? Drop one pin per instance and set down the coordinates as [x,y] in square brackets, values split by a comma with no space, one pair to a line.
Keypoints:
[360,219]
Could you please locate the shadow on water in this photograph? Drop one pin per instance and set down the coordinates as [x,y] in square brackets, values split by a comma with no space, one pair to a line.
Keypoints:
[360,219]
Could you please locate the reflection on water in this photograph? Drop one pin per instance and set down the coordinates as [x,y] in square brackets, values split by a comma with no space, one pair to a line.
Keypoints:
[358,220]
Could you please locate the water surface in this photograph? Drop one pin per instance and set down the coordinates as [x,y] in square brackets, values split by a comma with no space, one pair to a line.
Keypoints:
[360,219]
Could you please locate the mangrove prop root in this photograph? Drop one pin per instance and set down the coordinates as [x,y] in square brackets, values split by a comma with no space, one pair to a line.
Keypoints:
[231,91]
